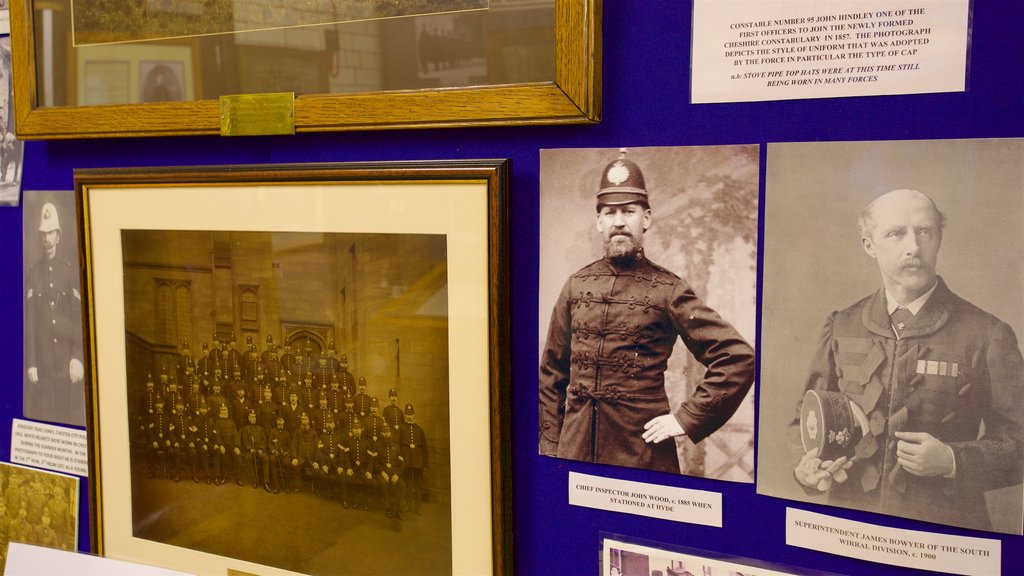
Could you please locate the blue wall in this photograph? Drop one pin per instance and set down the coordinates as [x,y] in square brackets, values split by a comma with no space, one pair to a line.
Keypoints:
[646,95]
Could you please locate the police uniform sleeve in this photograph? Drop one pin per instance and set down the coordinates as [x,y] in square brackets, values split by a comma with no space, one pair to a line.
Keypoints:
[31,318]
[728,358]
[554,373]
[995,459]
[75,315]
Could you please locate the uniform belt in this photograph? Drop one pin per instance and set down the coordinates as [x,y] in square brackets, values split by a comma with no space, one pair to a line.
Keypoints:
[609,395]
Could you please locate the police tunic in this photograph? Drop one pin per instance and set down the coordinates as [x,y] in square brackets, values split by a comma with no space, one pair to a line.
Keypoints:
[413,443]
[602,377]
[53,313]
[952,367]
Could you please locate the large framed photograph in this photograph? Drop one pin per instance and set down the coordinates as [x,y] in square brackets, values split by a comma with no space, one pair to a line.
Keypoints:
[891,364]
[299,369]
[351,65]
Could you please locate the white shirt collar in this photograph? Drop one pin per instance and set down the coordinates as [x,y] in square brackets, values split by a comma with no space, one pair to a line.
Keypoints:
[914,307]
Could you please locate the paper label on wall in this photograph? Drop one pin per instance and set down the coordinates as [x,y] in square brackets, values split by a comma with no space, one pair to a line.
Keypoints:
[755,50]
[57,448]
[653,500]
[908,548]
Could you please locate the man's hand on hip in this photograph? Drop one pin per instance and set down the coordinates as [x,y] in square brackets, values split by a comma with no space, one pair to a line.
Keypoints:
[661,428]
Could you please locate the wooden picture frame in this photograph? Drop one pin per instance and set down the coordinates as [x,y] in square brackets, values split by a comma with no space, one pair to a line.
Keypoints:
[404,264]
[573,96]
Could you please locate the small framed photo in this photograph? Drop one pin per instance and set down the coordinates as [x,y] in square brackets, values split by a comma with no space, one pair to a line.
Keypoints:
[299,369]
[38,508]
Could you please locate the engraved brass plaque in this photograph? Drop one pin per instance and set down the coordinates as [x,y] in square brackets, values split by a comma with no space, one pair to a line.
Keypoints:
[257,114]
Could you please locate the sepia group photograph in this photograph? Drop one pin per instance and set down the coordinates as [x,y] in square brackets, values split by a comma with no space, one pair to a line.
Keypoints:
[278,394]
[37,508]
[891,366]
[648,269]
[309,450]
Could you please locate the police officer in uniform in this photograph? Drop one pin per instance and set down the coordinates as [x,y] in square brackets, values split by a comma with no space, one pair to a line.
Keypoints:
[412,441]
[304,452]
[53,345]
[612,330]
[254,449]
[279,443]
[938,380]
[362,399]
[388,468]
[392,413]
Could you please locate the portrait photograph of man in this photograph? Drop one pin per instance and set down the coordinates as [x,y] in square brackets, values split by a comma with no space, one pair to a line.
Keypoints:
[891,367]
[647,293]
[54,373]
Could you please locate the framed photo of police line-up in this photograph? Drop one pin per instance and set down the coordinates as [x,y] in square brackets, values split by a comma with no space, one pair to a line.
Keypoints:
[276,387]
[350,65]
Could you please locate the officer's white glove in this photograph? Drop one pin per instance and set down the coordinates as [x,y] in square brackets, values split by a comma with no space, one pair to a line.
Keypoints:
[77,370]
[33,375]
[661,428]
[819,474]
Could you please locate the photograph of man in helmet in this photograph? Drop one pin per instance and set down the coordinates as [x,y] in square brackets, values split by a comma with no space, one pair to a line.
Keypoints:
[613,390]
[54,374]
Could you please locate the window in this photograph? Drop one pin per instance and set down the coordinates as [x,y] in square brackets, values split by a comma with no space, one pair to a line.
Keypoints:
[173,311]
[249,297]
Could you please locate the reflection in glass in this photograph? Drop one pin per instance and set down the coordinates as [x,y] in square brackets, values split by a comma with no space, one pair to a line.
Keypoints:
[508,42]
[105,21]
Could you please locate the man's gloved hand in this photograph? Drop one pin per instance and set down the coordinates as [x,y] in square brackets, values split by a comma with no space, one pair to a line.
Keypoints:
[819,474]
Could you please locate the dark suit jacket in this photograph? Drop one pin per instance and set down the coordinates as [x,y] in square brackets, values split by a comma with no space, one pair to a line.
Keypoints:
[956,372]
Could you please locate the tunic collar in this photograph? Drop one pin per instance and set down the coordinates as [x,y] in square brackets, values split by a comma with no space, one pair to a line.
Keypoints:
[914,307]
[932,315]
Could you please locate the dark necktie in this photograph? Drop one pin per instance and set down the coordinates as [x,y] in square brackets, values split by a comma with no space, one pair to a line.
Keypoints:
[899,318]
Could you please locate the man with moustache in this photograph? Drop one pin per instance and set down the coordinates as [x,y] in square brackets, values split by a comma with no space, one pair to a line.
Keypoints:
[612,330]
[53,339]
[937,378]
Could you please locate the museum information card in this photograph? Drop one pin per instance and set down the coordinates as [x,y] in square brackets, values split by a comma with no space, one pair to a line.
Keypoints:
[755,50]
[653,500]
[908,548]
[51,447]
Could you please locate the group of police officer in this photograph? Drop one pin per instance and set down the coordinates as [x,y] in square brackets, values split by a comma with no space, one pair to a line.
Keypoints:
[36,509]
[282,421]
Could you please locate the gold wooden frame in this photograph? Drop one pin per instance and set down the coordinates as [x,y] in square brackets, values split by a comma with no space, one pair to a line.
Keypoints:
[466,200]
[574,97]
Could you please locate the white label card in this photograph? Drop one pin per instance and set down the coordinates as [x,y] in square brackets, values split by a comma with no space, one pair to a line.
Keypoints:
[653,500]
[50,447]
[756,50]
[908,548]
